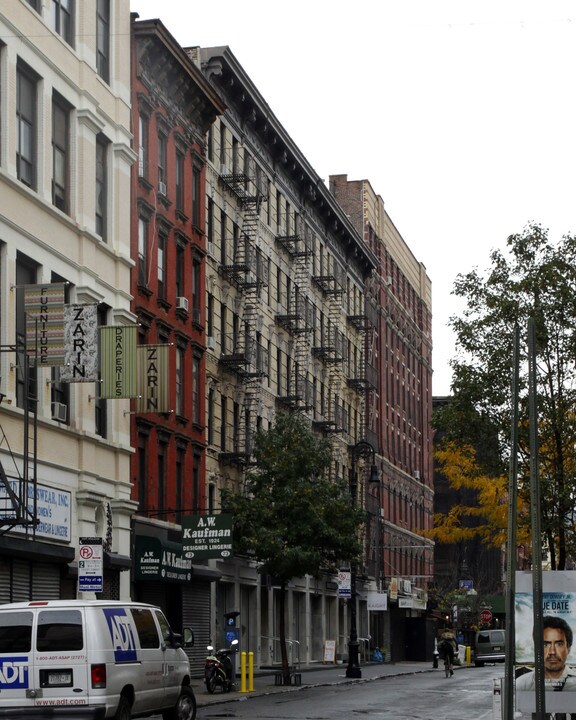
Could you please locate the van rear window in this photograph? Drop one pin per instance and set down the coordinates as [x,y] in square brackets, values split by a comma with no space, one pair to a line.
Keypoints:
[15,632]
[59,630]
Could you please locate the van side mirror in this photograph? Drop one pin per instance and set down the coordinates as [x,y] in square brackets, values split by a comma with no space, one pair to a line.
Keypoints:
[188,637]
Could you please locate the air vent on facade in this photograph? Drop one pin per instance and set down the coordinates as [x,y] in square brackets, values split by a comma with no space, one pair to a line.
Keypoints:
[182,303]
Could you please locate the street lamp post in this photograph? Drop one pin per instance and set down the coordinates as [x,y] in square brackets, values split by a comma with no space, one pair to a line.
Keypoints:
[362,447]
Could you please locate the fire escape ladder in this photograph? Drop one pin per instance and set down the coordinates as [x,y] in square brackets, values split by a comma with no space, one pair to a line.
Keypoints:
[18,490]
[248,359]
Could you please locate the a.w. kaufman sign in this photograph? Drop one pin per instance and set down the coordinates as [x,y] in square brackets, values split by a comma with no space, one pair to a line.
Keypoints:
[207,536]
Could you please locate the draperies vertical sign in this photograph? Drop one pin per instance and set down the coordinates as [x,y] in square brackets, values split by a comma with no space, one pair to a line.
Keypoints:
[118,361]
[44,308]
[153,394]
[81,343]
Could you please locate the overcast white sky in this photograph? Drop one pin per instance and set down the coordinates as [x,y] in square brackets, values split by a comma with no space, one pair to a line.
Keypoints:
[461,113]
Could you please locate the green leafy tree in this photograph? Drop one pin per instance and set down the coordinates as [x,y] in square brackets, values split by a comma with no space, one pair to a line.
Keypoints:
[535,278]
[291,517]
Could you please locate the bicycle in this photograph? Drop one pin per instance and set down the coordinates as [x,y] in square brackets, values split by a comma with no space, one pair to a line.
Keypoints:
[447,668]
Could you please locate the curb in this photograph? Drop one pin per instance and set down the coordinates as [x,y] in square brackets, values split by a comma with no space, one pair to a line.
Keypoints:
[224,699]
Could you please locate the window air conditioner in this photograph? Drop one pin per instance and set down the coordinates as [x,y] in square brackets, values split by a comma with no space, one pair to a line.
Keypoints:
[210,248]
[59,412]
[417,474]
[162,188]
[211,342]
[182,304]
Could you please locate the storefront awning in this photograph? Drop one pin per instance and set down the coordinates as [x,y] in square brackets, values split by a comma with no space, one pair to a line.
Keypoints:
[19,547]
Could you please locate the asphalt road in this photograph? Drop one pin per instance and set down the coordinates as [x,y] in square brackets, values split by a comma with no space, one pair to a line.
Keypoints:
[468,695]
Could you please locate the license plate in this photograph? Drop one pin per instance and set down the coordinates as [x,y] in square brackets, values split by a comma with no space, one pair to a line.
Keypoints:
[497,647]
[59,678]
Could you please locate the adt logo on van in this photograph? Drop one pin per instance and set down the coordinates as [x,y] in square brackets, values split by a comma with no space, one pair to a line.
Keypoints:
[120,629]
[13,673]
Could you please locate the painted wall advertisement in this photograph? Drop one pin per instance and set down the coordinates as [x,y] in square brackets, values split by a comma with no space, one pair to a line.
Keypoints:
[559,622]
[53,510]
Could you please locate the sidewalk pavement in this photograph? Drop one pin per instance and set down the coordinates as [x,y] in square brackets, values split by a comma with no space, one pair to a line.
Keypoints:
[312,675]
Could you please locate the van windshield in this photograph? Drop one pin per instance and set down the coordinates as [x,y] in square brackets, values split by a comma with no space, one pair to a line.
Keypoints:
[15,632]
[59,630]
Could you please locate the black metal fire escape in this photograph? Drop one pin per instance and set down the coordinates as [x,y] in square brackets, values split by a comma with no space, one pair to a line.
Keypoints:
[361,374]
[242,353]
[18,501]
[332,348]
[298,318]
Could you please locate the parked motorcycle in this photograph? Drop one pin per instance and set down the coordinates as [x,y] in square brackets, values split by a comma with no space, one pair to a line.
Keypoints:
[219,669]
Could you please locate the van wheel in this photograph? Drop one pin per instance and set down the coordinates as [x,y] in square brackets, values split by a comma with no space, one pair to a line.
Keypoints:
[123,711]
[185,708]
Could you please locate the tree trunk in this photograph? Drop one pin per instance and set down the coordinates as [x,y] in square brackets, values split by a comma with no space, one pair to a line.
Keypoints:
[282,627]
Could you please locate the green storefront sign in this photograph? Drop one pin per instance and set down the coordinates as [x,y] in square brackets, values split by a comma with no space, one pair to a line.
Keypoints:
[207,536]
[162,560]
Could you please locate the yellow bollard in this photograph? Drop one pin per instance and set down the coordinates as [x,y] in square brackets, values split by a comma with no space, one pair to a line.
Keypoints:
[468,655]
[250,672]
[243,671]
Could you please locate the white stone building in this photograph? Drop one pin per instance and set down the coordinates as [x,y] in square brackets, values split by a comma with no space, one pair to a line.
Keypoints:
[65,163]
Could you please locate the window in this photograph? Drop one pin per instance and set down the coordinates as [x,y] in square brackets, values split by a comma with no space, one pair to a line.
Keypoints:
[26,274]
[196,289]
[224,404]
[33,3]
[146,628]
[142,252]
[27,124]
[196,465]
[142,145]
[210,428]
[103,39]
[101,405]
[161,485]
[101,185]
[161,267]
[179,182]
[60,153]
[196,389]
[142,465]
[180,356]
[196,197]
[179,271]
[62,18]
[162,164]
[16,632]
[59,631]
[210,315]
[180,455]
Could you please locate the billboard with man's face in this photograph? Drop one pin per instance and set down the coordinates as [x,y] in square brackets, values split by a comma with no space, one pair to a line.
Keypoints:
[559,621]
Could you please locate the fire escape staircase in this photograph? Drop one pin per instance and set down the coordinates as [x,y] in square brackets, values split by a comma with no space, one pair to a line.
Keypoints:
[298,321]
[247,358]
[18,494]
[332,349]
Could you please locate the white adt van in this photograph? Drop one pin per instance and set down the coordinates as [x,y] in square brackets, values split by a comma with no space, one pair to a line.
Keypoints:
[92,659]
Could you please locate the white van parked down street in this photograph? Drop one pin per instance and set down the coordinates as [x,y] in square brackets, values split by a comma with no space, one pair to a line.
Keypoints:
[92,659]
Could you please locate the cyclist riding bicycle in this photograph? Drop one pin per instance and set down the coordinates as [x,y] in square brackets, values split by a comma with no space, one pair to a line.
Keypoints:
[448,647]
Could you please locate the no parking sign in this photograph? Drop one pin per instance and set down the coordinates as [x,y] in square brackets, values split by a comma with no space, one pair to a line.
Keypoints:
[344,583]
